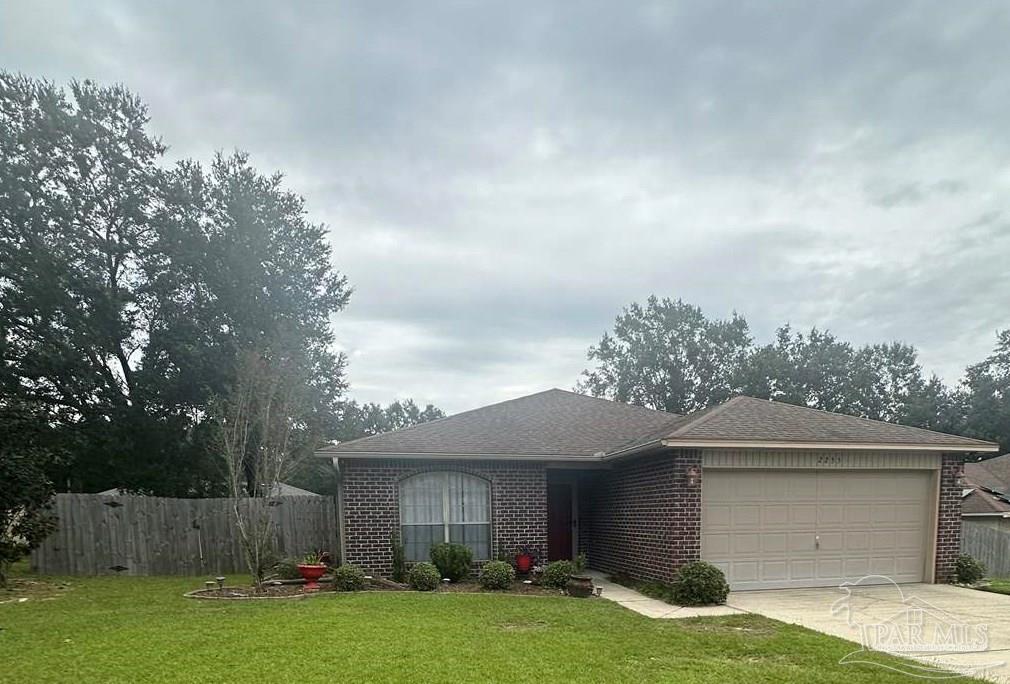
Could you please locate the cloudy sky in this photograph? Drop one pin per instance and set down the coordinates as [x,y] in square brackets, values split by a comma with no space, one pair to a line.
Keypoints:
[499,181]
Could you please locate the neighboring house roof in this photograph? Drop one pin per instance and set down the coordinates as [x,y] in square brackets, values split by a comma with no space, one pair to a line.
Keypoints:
[562,425]
[553,423]
[992,473]
[279,489]
[284,489]
[982,502]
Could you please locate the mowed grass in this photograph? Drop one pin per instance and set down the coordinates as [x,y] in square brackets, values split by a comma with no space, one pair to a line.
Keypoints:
[120,629]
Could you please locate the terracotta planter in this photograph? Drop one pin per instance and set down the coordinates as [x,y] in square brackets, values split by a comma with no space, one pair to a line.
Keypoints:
[580,586]
[311,573]
[523,563]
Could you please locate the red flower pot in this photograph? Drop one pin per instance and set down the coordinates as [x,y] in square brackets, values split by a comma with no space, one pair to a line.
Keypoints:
[310,573]
[523,562]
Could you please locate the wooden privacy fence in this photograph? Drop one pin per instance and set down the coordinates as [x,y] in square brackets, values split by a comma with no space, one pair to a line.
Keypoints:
[990,546]
[149,535]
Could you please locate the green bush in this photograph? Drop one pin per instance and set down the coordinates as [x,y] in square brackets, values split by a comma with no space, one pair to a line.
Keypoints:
[287,568]
[424,577]
[348,578]
[700,584]
[969,570]
[497,575]
[452,560]
[557,574]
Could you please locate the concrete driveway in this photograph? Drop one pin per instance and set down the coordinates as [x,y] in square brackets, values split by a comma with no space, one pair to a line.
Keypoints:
[959,629]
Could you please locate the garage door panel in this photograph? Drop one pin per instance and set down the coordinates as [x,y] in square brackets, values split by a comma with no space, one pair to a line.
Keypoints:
[781,528]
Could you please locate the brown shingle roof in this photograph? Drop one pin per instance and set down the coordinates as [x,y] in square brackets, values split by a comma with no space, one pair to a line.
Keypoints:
[562,425]
[992,473]
[981,502]
[553,423]
[745,419]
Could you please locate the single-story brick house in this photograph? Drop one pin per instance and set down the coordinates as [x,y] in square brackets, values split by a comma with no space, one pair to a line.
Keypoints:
[776,495]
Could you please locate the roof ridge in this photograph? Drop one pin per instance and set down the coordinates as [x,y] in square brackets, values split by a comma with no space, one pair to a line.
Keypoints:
[444,418]
[705,414]
[615,401]
[849,415]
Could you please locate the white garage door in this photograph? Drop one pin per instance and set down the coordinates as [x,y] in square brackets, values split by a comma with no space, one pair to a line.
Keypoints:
[769,529]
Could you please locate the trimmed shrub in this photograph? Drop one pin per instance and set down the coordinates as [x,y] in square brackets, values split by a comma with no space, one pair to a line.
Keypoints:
[497,575]
[452,560]
[348,578]
[424,577]
[557,574]
[700,584]
[287,568]
[969,570]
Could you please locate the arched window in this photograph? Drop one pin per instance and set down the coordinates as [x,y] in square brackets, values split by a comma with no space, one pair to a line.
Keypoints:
[445,507]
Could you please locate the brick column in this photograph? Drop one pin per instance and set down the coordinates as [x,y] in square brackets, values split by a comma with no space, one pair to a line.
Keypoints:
[686,536]
[948,519]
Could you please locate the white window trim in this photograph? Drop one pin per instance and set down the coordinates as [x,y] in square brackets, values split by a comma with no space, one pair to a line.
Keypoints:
[444,478]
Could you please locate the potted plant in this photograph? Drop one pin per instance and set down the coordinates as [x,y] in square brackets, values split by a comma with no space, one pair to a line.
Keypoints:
[579,585]
[311,569]
[524,559]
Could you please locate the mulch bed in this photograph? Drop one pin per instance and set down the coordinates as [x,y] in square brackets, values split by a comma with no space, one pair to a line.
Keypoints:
[294,589]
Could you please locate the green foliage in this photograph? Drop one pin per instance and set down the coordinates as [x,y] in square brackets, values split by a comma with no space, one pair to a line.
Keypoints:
[424,577]
[968,570]
[25,491]
[399,558]
[987,395]
[557,574]
[452,560]
[129,286]
[348,578]
[287,568]
[312,558]
[579,564]
[497,575]
[667,355]
[699,584]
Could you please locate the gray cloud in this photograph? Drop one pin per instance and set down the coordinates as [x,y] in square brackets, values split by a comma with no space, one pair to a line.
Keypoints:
[499,181]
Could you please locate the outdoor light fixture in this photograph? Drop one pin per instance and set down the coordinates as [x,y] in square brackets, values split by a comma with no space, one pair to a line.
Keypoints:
[693,476]
[220,582]
[599,591]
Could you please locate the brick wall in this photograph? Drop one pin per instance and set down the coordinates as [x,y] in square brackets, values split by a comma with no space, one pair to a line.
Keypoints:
[641,517]
[948,523]
[370,503]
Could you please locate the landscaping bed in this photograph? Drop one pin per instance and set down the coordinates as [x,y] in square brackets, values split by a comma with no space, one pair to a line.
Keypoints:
[294,589]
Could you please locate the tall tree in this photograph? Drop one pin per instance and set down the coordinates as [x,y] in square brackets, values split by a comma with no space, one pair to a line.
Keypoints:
[987,394]
[667,355]
[128,291]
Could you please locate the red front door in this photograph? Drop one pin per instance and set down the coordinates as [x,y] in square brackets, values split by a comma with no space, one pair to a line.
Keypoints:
[559,521]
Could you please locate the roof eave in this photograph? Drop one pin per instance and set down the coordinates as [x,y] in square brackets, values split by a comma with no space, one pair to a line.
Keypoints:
[567,458]
[874,446]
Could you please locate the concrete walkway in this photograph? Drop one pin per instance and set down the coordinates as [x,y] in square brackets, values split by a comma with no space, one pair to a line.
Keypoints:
[650,607]
[938,625]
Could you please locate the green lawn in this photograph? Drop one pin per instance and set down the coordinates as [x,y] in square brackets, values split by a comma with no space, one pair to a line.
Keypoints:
[117,629]
[998,586]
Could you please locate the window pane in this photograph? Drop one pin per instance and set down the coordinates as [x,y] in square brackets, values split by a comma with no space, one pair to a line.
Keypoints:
[469,498]
[418,539]
[421,499]
[477,537]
